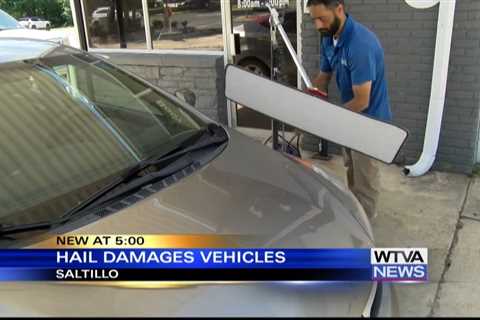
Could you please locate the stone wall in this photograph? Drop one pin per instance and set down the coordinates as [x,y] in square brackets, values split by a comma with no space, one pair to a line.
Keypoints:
[202,73]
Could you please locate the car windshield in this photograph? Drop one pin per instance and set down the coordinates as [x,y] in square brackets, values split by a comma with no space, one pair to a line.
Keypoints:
[70,124]
[7,22]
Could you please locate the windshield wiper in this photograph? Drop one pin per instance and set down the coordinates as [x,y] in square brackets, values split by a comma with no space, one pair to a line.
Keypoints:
[215,135]
[139,182]
[179,159]
[212,135]
[9,229]
[102,198]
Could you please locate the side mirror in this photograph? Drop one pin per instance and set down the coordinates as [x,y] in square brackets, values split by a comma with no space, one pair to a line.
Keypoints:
[187,96]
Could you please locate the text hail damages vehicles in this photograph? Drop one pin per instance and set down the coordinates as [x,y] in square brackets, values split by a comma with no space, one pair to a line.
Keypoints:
[88,148]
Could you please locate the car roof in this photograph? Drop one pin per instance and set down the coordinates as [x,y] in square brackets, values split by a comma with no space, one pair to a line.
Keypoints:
[16,49]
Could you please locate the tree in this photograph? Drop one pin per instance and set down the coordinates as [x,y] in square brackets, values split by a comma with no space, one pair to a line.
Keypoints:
[56,11]
[67,13]
[7,5]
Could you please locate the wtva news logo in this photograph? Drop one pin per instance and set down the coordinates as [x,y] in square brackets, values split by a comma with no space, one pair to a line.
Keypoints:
[399,264]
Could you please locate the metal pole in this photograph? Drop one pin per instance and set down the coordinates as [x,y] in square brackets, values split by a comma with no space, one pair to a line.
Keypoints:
[121,23]
[303,74]
[226,12]
[279,27]
[79,23]
[273,76]
[146,22]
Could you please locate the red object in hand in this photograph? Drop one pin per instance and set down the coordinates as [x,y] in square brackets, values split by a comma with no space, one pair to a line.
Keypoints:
[316,92]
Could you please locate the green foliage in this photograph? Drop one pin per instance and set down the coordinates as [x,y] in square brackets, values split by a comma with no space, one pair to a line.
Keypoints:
[476,170]
[67,13]
[56,11]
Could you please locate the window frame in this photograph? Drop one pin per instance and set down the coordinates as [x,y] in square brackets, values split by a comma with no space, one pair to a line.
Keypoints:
[149,43]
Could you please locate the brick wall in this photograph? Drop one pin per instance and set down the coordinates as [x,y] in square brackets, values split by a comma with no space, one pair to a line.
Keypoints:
[203,74]
[408,37]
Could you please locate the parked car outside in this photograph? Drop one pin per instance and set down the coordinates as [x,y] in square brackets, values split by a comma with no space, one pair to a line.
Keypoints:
[73,126]
[11,28]
[255,44]
[101,12]
[200,4]
[255,56]
[35,23]
[104,20]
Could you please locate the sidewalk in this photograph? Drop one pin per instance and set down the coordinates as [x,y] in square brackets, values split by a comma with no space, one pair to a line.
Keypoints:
[439,211]
[459,293]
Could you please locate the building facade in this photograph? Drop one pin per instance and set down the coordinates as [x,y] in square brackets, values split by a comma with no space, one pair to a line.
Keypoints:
[408,36]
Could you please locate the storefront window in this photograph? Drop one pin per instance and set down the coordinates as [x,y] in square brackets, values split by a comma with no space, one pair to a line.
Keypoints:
[115,24]
[251,24]
[186,24]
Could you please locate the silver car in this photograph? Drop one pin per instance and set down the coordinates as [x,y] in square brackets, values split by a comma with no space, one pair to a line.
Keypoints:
[88,148]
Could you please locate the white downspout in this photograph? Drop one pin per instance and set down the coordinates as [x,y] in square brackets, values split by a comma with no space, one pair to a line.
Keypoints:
[439,83]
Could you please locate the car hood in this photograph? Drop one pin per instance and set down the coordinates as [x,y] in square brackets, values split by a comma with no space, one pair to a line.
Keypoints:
[247,190]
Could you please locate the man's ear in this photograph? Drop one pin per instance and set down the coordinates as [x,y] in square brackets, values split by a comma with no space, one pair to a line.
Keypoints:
[340,9]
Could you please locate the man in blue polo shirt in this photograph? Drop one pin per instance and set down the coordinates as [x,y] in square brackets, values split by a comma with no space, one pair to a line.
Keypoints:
[355,55]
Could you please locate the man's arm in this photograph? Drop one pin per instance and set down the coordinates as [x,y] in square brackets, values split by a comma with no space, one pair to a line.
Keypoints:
[363,70]
[361,97]
[322,80]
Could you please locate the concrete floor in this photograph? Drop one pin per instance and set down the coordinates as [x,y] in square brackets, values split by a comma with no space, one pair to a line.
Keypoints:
[439,211]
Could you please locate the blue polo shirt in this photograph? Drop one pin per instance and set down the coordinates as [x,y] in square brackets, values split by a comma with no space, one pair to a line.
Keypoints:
[357,58]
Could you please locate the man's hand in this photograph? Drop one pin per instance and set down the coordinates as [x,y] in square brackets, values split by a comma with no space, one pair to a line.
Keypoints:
[322,80]
[317,93]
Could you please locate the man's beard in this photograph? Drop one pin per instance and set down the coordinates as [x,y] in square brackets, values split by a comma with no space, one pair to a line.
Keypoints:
[333,28]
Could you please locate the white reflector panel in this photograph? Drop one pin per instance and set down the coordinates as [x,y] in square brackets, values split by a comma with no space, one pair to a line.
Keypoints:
[358,132]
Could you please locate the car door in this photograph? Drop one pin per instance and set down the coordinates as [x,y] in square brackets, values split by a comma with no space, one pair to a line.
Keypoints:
[34,23]
[42,23]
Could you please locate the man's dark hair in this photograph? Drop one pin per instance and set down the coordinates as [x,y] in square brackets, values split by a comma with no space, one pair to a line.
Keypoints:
[326,3]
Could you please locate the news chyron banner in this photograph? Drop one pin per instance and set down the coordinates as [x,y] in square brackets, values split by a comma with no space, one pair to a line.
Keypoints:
[203,258]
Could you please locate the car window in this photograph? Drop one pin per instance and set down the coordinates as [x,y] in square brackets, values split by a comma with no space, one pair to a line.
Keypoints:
[132,106]
[71,123]
[51,147]
[7,22]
